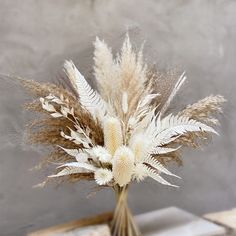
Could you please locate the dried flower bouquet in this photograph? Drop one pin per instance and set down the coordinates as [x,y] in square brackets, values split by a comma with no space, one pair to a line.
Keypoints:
[119,133]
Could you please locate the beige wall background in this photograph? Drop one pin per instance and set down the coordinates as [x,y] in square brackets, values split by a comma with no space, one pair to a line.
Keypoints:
[36,37]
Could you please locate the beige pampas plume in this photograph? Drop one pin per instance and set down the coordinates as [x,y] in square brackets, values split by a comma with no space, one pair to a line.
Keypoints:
[132,77]
[204,109]
[112,134]
[123,165]
[105,68]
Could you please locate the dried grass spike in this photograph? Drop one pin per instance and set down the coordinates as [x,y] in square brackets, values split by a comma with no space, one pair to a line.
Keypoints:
[112,134]
[123,165]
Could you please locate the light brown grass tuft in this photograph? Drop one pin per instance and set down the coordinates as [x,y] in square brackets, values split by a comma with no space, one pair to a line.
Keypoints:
[204,109]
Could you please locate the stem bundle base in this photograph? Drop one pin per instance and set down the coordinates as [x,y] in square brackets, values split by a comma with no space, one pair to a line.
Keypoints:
[123,223]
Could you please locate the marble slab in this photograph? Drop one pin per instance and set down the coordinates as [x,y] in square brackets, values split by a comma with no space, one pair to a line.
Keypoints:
[95,230]
[227,218]
[173,221]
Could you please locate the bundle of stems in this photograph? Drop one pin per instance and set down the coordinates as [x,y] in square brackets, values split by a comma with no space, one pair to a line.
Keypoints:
[121,132]
[123,223]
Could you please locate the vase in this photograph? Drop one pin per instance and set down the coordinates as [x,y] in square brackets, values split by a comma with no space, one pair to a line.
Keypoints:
[123,223]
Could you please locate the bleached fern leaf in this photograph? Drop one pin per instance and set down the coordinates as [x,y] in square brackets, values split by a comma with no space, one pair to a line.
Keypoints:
[82,165]
[88,97]
[171,127]
[71,152]
[143,113]
[163,150]
[158,166]
[178,85]
[156,176]
[67,171]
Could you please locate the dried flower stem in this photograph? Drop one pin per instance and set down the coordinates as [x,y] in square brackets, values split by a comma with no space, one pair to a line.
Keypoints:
[123,223]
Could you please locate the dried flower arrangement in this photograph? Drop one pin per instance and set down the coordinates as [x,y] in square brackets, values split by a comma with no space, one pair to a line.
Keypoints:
[120,134]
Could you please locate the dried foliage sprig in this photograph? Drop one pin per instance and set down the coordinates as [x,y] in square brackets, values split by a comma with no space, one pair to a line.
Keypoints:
[120,133]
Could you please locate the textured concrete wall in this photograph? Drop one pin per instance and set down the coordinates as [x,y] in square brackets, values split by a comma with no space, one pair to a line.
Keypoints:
[35,38]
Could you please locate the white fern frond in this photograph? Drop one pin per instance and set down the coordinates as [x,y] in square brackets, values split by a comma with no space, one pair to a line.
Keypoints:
[158,166]
[156,176]
[171,127]
[142,120]
[68,171]
[85,166]
[143,113]
[163,150]
[178,85]
[88,97]
[71,152]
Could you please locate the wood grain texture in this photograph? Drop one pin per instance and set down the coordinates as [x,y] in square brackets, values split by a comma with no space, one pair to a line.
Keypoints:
[62,228]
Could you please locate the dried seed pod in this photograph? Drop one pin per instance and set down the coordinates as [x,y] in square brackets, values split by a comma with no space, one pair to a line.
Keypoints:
[123,165]
[112,134]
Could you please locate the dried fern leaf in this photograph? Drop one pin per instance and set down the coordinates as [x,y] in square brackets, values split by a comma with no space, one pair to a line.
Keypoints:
[88,97]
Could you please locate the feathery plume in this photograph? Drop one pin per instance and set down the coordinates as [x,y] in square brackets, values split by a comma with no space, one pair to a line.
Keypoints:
[204,109]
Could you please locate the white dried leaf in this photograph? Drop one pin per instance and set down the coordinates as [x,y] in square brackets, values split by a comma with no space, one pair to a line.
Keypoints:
[100,153]
[56,115]
[158,166]
[88,97]
[156,176]
[71,152]
[85,166]
[125,105]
